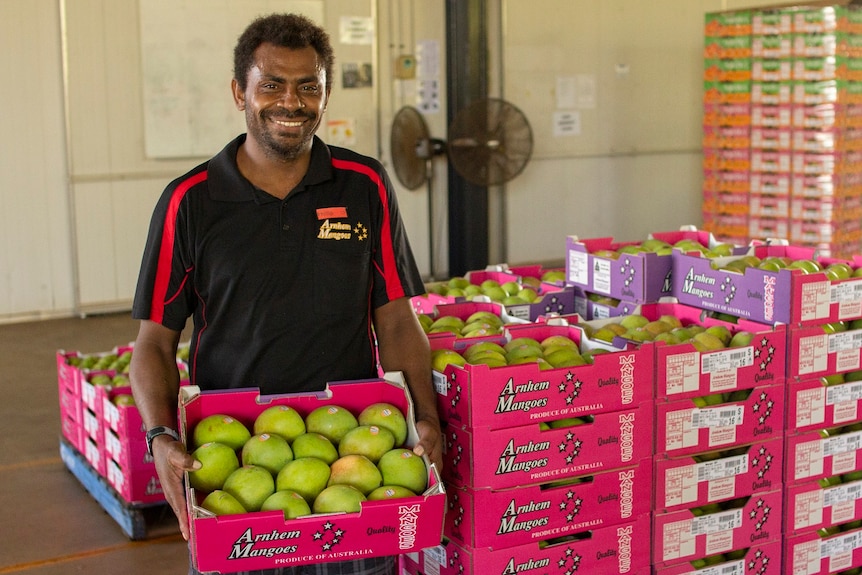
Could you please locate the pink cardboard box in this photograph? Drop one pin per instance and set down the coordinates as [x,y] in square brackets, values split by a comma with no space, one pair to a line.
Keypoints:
[465,309]
[521,515]
[92,425]
[680,536]
[68,375]
[762,559]
[265,540]
[640,277]
[692,481]
[526,455]
[72,432]
[812,405]
[479,396]
[683,372]
[130,455]
[124,420]
[136,486]
[811,554]
[813,455]
[683,428]
[814,353]
[90,396]
[612,550]
[812,506]
[70,404]
[94,453]
[786,296]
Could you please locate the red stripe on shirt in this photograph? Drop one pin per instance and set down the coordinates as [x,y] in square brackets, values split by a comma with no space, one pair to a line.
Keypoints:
[166,249]
[394,288]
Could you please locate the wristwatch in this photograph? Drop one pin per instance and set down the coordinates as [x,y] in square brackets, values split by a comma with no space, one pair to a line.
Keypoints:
[157,431]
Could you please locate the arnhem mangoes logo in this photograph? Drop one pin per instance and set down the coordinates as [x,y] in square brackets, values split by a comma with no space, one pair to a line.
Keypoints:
[341,231]
[570,387]
[569,559]
[691,285]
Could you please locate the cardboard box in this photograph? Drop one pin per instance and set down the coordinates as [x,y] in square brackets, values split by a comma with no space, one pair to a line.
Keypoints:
[526,455]
[787,296]
[814,353]
[639,277]
[811,405]
[137,487]
[763,559]
[510,517]
[265,540]
[479,396]
[70,404]
[92,425]
[612,550]
[680,536]
[68,375]
[811,554]
[124,420]
[683,372]
[131,456]
[683,428]
[695,480]
[465,309]
[814,455]
[590,306]
[72,431]
[815,505]
[94,453]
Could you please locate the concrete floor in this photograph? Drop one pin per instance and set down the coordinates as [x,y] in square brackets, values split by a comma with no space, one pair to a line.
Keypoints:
[51,525]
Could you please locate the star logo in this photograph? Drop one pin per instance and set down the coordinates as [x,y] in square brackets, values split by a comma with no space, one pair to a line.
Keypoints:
[329,536]
[360,231]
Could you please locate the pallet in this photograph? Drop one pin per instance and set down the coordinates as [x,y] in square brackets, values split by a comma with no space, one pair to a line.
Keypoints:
[137,521]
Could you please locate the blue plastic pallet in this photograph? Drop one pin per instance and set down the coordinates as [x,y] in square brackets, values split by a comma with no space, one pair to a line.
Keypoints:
[131,518]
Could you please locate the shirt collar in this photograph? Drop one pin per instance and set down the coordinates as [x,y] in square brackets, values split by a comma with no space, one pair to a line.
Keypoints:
[227,184]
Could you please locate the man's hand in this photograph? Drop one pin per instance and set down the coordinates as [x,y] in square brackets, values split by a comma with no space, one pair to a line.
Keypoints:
[430,442]
[172,460]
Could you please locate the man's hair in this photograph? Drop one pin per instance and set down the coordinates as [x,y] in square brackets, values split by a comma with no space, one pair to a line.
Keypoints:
[286,30]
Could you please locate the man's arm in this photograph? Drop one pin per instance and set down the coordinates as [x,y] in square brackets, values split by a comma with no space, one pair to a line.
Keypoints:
[155,384]
[403,346]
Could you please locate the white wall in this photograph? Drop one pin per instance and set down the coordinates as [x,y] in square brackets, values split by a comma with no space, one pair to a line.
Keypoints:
[35,256]
[73,219]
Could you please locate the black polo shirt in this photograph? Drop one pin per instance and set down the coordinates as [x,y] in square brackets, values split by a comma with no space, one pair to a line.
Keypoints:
[280,291]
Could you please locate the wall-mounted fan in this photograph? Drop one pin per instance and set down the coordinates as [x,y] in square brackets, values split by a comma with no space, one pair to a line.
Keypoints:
[489,143]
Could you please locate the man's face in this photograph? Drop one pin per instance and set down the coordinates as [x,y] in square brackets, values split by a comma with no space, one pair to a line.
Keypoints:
[284,99]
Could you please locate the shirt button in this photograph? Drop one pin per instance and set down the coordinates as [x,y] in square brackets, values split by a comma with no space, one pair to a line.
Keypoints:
[285,227]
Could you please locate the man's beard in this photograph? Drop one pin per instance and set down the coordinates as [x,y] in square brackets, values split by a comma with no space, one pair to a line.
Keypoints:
[281,148]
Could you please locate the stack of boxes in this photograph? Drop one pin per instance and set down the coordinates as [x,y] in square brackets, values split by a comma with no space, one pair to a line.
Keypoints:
[612,278]
[820,487]
[719,449]
[727,124]
[544,469]
[785,156]
[107,431]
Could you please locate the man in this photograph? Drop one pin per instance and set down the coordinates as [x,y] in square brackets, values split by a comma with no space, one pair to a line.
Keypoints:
[290,256]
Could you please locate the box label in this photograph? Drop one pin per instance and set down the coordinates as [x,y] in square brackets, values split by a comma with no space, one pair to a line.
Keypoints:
[578,270]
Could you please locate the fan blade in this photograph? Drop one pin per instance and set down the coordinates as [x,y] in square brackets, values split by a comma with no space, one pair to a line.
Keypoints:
[490,142]
[408,141]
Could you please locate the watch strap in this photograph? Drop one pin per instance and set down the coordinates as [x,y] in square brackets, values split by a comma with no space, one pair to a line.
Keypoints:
[154,432]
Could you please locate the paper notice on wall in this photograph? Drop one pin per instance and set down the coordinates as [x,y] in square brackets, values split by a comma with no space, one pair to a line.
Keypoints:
[567,124]
[356,30]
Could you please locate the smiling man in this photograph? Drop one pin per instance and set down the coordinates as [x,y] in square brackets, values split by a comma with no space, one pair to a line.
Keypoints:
[290,257]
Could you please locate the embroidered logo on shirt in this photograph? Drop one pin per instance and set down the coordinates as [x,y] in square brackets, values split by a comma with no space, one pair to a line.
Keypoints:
[330,230]
[327,213]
